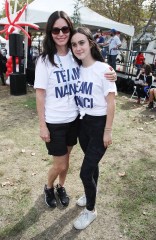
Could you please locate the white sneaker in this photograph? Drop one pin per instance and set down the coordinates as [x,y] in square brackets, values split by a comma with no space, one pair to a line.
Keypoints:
[81,201]
[85,218]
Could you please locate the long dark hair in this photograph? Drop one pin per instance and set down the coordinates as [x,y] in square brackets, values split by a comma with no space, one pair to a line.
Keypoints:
[148,69]
[49,47]
[95,50]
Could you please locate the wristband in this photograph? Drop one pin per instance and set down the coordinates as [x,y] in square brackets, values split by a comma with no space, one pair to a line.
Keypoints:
[108,129]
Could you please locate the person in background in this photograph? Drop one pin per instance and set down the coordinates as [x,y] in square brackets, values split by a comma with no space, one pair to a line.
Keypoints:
[114,44]
[2,68]
[154,70]
[139,62]
[56,79]
[96,106]
[29,47]
[142,88]
[152,97]
[35,53]
[100,39]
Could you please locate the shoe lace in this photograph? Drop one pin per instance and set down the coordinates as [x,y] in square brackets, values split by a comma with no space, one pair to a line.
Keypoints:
[61,190]
[50,193]
[84,214]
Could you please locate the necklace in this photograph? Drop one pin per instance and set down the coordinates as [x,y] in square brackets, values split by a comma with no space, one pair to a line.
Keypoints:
[62,69]
[60,63]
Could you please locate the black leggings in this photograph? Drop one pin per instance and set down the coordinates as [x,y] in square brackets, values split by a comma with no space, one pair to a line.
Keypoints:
[140,91]
[91,141]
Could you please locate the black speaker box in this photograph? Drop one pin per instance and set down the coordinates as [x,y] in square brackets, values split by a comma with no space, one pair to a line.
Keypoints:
[16,45]
[18,84]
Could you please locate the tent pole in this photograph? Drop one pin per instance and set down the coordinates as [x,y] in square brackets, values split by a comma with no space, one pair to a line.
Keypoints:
[129,50]
[15,6]
[26,43]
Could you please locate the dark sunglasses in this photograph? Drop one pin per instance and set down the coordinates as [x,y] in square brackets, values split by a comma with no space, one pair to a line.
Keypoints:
[64,29]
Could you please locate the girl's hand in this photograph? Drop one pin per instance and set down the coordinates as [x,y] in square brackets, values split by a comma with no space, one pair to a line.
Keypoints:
[107,138]
[45,134]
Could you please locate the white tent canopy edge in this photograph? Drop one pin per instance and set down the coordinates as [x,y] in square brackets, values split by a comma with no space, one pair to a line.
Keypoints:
[39,10]
[2,40]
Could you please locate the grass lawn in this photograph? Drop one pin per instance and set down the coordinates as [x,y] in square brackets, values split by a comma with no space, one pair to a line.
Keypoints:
[126,200]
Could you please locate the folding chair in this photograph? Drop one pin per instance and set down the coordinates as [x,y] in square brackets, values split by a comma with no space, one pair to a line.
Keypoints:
[134,94]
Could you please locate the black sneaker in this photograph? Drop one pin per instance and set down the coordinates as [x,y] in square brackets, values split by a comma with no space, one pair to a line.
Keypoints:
[150,105]
[50,199]
[62,195]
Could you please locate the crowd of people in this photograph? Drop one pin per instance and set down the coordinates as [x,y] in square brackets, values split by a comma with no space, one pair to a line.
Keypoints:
[144,81]
[109,47]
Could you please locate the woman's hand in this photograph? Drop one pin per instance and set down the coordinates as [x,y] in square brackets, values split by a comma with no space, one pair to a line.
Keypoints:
[111,75]
[107,138]
[45,134]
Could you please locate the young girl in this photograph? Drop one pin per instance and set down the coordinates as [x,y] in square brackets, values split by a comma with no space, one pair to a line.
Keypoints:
[95,99]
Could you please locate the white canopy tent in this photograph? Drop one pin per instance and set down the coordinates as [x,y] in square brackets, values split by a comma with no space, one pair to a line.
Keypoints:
[2,40]
[39,10]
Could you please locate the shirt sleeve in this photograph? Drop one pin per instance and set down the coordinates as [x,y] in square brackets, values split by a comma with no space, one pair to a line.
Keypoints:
[118,42]
[107,85]
[41,74]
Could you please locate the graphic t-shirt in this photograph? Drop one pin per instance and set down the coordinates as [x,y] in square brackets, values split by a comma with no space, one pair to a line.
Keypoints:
[60,85]
[92,88]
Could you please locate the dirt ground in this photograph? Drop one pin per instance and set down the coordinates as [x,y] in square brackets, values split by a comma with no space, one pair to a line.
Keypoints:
[24,164]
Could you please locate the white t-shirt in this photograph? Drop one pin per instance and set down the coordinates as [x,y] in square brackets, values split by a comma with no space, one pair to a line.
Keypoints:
[60,85]
[113,42]
[92,88]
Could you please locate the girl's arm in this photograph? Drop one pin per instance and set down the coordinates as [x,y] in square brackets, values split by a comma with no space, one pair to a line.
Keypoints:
[40,102]
[107,136]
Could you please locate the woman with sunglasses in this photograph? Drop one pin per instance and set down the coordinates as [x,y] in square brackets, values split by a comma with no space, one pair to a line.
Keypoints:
[56,77]
[96,105]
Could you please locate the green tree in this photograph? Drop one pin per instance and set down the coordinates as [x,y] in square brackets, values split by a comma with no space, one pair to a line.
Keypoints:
[76,14]
[132,12]
[20,5]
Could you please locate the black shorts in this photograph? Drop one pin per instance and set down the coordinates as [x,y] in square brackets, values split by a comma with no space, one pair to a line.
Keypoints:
[62,136]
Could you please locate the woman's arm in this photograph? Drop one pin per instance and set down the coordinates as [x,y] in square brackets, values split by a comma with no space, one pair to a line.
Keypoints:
[40,103]
[111,75]
[107,136]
